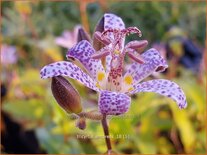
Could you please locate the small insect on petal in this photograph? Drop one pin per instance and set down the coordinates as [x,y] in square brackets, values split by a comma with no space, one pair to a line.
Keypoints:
[66,96]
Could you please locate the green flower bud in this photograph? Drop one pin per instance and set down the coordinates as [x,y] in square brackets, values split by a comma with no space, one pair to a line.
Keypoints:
[66,95]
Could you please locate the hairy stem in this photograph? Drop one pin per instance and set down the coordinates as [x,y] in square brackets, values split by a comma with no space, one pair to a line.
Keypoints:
[106,133]
[93,115]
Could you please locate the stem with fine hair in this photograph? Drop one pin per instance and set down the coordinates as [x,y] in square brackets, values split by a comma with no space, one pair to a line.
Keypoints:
[106,133]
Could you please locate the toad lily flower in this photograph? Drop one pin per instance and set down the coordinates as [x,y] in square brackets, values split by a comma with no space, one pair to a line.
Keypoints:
[114,86]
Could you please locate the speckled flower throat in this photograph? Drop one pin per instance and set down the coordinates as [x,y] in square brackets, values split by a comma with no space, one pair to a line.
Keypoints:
[114,41]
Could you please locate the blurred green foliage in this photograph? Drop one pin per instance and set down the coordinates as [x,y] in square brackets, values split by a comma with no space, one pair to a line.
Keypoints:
[154,124]
[155,18]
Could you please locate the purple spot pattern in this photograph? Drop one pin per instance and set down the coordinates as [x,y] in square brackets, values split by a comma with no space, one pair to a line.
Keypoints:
[68,69]
[153,60]
[163,87]
[83,51]
[113,103]
[112,21]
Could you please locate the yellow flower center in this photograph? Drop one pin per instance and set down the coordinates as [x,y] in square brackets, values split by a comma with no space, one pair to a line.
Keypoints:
[100,76]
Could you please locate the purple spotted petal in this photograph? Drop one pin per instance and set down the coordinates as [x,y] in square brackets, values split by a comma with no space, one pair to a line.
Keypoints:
[163,87]
[113,103]
[112,21]
[82,52]
[69,69]
[153,63]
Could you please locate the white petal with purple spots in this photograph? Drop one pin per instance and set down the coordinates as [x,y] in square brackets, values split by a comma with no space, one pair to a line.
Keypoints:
[153,62]
[113,103]
[83,52]
[69,69]
[163,87]
[112,21]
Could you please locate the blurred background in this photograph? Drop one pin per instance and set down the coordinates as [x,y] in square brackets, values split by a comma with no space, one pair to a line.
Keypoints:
[37,33]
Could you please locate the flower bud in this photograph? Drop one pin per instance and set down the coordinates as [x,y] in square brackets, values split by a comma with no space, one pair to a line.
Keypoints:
[100,28]
[82,35]
[81,123]
[66,95]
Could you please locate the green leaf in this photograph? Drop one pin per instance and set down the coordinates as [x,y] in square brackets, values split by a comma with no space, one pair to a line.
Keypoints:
[185,127]
[27,111]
